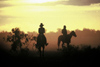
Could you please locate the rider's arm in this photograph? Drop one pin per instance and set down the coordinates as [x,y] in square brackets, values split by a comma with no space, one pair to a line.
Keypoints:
[44,30]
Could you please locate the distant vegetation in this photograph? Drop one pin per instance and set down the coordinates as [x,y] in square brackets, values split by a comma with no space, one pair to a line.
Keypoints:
[85,37]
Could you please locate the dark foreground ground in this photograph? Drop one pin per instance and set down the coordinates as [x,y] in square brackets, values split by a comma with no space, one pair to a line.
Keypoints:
[57,58]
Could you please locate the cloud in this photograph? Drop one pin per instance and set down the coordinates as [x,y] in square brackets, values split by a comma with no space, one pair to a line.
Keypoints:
[69,2]
[4,19]
[79,2]
[83,2]
[3,3]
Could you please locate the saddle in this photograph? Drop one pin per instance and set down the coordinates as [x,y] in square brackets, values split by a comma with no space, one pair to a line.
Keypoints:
[66,38]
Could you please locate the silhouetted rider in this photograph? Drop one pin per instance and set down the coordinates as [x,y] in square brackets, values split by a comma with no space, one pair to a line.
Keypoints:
[41,34]
[64,31]
[41,29]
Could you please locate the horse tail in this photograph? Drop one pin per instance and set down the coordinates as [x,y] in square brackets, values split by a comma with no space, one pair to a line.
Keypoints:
[59,41]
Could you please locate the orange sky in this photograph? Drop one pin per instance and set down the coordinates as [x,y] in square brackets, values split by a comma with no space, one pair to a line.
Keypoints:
[28,14]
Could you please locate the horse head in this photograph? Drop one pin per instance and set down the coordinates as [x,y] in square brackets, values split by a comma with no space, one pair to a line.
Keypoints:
[73,34]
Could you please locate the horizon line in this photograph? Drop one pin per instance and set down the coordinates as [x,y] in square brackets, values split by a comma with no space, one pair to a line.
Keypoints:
[54,31]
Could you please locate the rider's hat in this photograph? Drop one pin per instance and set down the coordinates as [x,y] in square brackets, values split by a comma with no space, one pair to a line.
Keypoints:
[41,24]
[64,25]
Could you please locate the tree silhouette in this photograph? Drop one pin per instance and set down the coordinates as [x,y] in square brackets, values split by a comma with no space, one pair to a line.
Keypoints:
[15,37]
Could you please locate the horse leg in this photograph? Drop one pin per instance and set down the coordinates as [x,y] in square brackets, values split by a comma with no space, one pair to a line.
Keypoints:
[43,51]
[58,46]
[40,50]
[68,46]
[62,45]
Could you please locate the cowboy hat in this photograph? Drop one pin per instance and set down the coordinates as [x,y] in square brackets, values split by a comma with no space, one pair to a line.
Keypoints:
[41,24]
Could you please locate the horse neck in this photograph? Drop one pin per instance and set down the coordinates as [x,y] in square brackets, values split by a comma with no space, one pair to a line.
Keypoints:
[70,35]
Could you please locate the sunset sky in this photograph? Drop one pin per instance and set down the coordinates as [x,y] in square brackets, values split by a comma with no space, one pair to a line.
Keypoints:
[54,14]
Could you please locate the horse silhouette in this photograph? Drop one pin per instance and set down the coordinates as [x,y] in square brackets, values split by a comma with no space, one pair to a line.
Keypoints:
[66,39]
[41,44]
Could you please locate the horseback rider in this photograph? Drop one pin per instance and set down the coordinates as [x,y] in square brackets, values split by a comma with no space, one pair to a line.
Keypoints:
[41,34]
[64,31]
